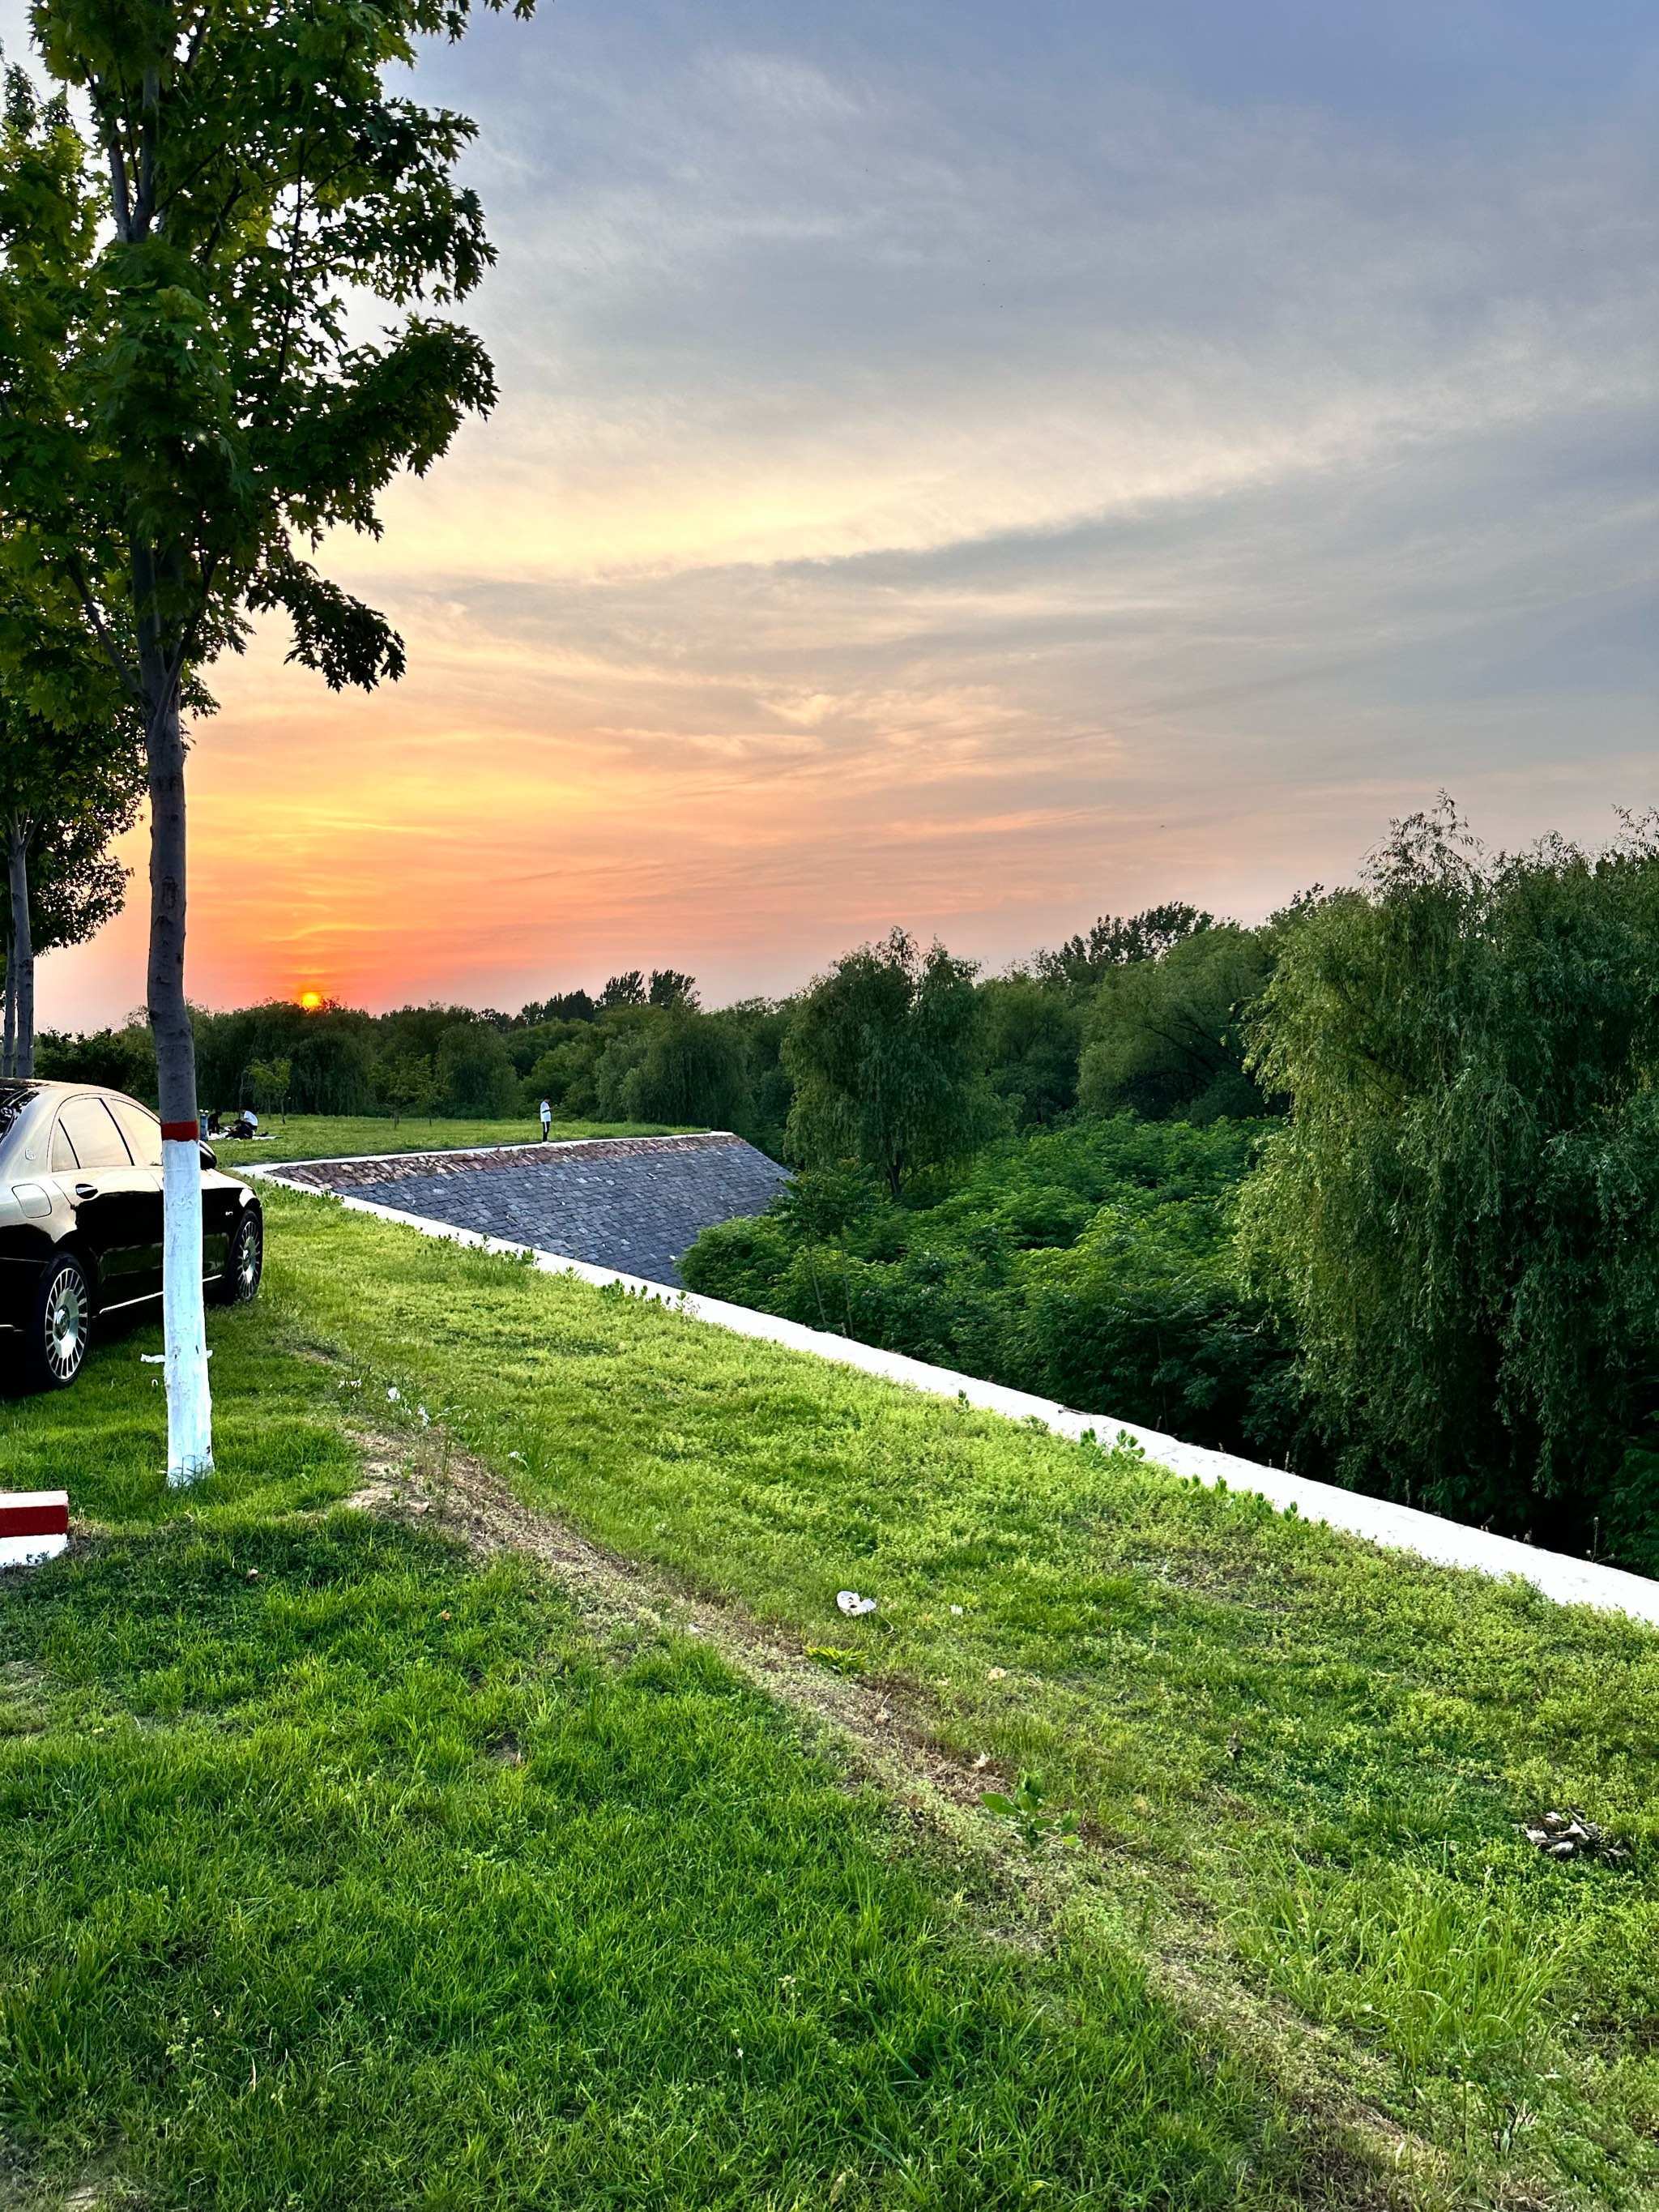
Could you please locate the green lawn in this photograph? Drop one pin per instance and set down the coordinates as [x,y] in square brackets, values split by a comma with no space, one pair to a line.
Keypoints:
[371,1882]
[1301,1763]
[341,1136]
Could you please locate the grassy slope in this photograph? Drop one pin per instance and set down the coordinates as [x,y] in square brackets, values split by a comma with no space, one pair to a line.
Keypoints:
[1316,1751]
[340,1872]
[341,1136]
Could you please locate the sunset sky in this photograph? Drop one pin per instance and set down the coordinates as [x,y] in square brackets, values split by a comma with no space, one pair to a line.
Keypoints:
[973,467]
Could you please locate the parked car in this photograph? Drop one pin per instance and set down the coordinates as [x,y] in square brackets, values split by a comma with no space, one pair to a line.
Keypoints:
[81,1223]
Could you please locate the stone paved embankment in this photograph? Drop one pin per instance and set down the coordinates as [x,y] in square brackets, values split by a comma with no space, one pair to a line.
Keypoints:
[634,1203]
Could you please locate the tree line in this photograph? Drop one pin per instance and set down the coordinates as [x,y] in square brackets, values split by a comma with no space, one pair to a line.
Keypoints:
[946,1057]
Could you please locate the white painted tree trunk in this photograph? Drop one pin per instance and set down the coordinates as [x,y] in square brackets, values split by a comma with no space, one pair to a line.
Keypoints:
[189,1401]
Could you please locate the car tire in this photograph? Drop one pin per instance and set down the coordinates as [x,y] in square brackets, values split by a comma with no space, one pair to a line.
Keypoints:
[244,1262]
[60,1326]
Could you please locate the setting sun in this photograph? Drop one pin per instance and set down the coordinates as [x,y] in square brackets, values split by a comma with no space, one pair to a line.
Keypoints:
[311,1000]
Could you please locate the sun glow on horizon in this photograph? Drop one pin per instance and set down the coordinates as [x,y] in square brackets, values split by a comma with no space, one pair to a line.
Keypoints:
[311,1000]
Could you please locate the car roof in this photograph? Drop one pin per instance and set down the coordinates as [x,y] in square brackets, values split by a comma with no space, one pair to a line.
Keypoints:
[32,1086]
[28,1103]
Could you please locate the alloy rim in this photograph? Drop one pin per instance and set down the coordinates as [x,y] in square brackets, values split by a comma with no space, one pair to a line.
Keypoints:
[66,1326]
[247,1263]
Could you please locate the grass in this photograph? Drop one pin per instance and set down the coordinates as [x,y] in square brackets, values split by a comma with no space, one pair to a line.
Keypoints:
[342,1136]
[340,1870]
[371,1881]
[1301,1762]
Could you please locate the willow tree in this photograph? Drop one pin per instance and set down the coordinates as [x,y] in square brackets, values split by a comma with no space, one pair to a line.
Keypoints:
[888,1063]
[188,404]
[1460,1216]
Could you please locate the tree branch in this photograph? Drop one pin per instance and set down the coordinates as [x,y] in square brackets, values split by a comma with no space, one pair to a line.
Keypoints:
[119,196]
[95,614]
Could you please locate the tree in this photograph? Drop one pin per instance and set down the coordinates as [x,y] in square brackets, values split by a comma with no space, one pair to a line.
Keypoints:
[476,1076]
[1462,1217]
[1117,940]
[67,788]
[118,1060]
[1033,1033]
[72,887]
[693,1071]
[186,402]
[269,1081]
[885,1054]
[1166,1035]
[408,1081]
[568,1006]
[624,990]
[670,987]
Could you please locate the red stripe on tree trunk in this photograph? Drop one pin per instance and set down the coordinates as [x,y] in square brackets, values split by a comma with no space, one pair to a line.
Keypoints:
[181,1133]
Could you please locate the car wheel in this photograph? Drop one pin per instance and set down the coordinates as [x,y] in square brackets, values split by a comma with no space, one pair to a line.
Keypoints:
[244,1263]
[55,1348]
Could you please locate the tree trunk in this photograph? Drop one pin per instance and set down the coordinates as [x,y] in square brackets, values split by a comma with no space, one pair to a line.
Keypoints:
[21,966]
[189,1406]
[11,1013]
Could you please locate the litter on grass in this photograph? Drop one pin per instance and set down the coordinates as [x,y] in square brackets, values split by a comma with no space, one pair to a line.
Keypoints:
[851,1604]
[1570,1836]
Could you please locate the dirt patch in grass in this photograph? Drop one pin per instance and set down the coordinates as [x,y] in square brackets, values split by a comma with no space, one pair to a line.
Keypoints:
[875,1729]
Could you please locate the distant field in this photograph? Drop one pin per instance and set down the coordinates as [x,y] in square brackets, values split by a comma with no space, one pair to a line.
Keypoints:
[1303,1956]
[327,1137]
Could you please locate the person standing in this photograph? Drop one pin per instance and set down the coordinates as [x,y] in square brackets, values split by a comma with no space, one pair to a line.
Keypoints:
[547,1120]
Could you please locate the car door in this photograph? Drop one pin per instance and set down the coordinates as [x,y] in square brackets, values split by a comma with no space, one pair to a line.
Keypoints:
[219,1197]
[143,1133]
[118,1203]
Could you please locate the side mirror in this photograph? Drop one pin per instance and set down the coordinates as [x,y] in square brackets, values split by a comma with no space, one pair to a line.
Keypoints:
[209,1157]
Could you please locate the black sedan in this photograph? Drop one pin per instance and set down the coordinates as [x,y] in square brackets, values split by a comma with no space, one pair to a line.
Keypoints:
[81,1223]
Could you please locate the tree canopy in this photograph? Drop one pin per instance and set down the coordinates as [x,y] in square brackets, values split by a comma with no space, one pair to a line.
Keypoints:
[1462,1216]
[1165,1033]
[885,1054]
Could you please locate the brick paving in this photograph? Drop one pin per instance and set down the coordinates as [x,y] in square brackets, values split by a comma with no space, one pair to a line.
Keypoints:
[633,1203]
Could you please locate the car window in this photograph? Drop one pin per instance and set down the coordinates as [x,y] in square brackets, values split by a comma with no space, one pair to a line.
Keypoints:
[63,1160]
[14,1097]
[98,1143]
[141,1130]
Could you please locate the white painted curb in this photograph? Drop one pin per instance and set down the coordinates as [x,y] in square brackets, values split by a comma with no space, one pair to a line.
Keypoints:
[34,1526]
[30,1551]
[1398,1527]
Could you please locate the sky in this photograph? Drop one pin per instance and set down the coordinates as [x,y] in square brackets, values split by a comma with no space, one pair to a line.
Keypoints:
[974,468]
